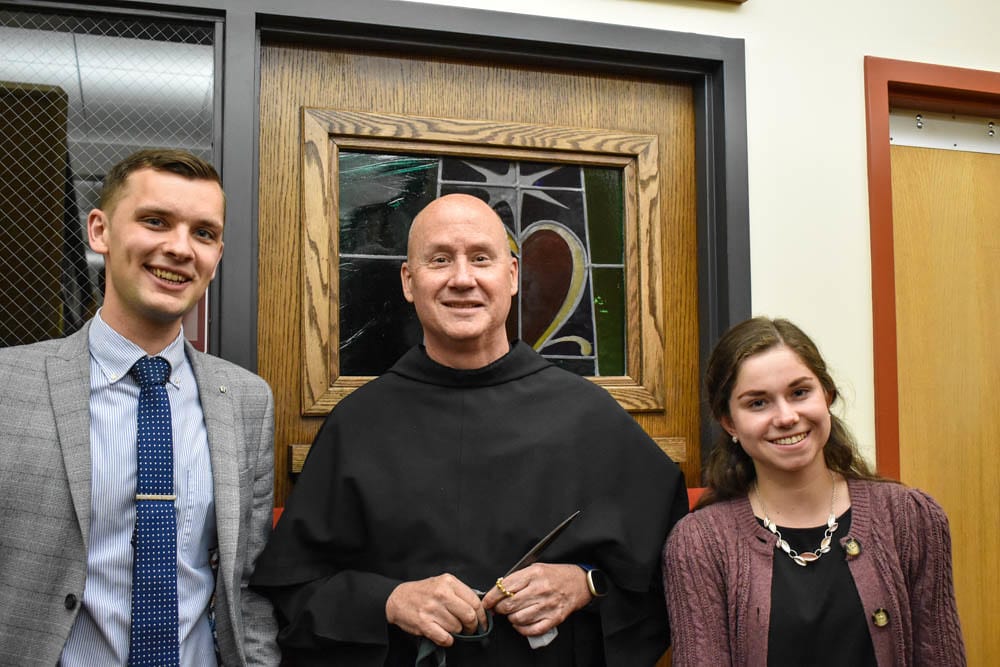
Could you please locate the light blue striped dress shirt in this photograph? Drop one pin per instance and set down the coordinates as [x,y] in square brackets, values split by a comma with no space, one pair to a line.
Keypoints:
[100,635]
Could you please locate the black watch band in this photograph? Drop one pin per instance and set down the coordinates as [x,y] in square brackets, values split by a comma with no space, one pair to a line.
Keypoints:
[597,581]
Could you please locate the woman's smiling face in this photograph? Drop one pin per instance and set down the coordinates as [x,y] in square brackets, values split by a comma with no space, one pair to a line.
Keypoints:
[779,412]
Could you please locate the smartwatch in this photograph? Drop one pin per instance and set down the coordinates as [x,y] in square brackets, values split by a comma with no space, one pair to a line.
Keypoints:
[597,581]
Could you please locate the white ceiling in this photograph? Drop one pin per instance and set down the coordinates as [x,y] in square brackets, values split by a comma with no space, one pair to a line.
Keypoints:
[121,91]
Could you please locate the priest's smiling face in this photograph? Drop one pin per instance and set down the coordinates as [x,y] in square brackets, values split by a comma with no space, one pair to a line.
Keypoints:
[460,277]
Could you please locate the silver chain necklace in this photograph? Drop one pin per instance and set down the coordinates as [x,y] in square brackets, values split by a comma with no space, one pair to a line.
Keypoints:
[824,546]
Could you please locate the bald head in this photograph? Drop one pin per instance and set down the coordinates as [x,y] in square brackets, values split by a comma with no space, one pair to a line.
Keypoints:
[460,276]
[451,208]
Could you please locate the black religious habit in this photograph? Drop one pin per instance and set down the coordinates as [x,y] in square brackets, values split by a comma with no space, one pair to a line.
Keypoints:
[428,469]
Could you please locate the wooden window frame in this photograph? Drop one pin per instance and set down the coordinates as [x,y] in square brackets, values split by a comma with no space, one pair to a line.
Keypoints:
[325,132]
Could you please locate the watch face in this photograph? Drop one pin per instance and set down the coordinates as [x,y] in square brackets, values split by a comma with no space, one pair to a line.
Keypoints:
[598,582]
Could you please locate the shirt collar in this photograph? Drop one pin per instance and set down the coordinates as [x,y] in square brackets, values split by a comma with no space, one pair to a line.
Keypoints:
[115,354]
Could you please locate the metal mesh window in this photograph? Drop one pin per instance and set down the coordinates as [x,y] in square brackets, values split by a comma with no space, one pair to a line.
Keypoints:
[77,94]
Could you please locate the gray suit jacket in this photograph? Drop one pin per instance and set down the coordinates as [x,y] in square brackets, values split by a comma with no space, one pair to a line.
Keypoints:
[45,499]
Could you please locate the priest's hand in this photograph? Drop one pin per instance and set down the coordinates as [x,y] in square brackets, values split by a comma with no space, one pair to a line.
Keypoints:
[539,597]
[435,608]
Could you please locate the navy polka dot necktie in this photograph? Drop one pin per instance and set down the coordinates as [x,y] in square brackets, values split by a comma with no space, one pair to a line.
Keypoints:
[153,640]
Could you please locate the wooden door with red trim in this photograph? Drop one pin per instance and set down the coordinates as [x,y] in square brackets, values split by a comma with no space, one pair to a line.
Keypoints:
[946,228]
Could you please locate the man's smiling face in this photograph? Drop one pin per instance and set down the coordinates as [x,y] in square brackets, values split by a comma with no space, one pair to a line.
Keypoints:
[460,276]
[161,243]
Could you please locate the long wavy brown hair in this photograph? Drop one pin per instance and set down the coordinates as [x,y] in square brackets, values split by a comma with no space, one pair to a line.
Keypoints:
[730,472]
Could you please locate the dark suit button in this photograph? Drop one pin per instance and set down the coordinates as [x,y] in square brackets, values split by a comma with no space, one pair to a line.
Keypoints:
[70,602]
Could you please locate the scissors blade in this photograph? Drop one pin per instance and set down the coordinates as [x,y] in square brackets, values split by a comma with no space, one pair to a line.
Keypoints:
[536,551]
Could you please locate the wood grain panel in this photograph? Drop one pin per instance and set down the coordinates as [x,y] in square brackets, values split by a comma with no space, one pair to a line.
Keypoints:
[296,76]
[946,219]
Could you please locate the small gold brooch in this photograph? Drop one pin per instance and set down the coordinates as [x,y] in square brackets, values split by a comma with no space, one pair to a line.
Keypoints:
[853,548]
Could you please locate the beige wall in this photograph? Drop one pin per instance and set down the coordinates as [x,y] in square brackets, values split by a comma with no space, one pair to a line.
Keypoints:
[805,114]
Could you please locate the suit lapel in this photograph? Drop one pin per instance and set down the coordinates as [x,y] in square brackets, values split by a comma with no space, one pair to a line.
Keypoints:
[221,427]
[68,376]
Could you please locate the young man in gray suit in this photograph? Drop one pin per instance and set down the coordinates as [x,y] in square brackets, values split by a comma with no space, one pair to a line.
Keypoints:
[68,447]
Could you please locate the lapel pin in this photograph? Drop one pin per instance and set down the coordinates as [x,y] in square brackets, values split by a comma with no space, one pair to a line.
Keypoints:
[853,548]
[223,388]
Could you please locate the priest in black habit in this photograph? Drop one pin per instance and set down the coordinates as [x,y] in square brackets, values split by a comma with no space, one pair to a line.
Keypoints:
[426,485]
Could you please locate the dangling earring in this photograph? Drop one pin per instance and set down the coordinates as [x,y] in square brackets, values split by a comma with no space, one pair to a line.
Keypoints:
[735,439]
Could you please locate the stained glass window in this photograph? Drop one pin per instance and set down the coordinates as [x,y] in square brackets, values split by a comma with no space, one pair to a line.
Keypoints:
[565,223]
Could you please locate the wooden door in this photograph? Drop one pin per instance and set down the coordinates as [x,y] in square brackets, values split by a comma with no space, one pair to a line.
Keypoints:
[329,80]
[946,226]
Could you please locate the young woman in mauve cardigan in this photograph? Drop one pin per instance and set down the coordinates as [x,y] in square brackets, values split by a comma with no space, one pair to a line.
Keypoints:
[797,553]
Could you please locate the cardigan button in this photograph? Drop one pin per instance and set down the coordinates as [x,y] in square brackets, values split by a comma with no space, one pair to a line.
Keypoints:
[852,547]
[70,602]
[880,618]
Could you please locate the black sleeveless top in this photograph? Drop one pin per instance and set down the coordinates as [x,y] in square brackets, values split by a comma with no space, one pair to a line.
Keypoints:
[817,617]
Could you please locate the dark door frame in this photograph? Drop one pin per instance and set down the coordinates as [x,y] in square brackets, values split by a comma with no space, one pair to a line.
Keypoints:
[714,66]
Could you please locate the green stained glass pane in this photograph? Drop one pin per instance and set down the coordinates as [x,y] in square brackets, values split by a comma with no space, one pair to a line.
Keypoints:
[605,214]
[609,316]
[379,196]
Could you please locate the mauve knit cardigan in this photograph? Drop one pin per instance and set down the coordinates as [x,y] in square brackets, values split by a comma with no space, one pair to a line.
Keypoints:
[717,567]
